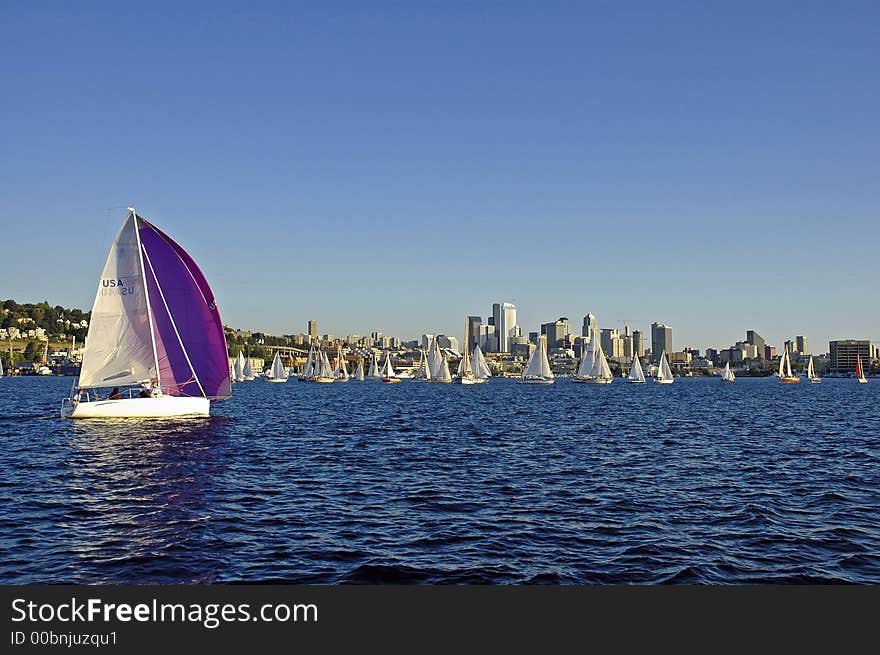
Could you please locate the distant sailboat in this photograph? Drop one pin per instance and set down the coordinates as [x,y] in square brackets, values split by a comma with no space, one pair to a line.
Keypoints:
[601,372]
[340,372]
[374,373]
[323,373]
[860,372]
[279,370]
[727,374]
[442,375]
[308,367]
[388,374]
[435,360]
[588,363]
[785,373]
[811,373]
[636,374]
[664,373]
[155,327]
[239,367]
[537,370]
[465,374]
[481,370]
[1,368]
[423,372]
[248,372]
[359,372]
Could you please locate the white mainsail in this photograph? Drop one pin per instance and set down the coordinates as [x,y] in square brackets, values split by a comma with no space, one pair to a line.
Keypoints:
[424,371]
[374,368]
[387,371]
[727,374]
[359,372]
[480,367]
[248,371]
[279,371]
[326,369]
[121,348]
[435,359]
[600,369]
[464,366]
[664,373]
[588,362]
[443,374]
[340,372]
[635,372]
[538,365]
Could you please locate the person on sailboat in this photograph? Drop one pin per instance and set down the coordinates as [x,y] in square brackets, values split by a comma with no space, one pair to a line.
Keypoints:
[115,394]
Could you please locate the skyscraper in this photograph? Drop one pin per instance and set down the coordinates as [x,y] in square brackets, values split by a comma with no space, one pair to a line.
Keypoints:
[472,337]
[661,339]
[756,340]
[504,319]
[800,345]
[844,353]
[638,343]
[313,329]
[590,326]
[556,332]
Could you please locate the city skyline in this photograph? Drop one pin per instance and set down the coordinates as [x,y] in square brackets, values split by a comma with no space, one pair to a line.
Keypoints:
[710,168]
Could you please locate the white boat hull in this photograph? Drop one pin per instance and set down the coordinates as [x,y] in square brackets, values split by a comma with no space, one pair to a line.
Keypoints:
[161,407]
[276,379]
[465,381]
[599,381]
[659,381]
[635,381]
[537,380]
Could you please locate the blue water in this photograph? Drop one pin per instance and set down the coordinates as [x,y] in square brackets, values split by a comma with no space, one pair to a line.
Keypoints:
[697,482]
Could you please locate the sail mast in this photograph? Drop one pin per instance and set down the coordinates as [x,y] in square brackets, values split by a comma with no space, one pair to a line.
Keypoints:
[140,248]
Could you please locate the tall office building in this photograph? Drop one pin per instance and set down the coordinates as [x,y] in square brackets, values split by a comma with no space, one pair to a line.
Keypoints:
[661,339]
[638,343]
[488,343]
[590,326]
[800,345]
[756,340]
[508,322]
[313,329]
[612,342]
[472,337]
[843,354]
[556,332]
[504,319]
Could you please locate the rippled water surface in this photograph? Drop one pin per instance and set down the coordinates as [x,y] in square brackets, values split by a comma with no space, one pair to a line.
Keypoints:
[501,483]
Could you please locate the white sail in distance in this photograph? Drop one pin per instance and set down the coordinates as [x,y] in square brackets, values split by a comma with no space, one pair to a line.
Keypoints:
[635,372]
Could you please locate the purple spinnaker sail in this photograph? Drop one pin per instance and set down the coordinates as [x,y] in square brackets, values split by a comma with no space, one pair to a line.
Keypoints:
[190,341]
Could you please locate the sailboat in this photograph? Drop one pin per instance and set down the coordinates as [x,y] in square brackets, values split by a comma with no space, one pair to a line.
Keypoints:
[374,373]
[423,372]
[480,368]
[537,370]
[811,373]
[601,372]
[279,371]
[727,374]
[442,375]
[636,374]
[238,367]
[156,329]
[388,372]
[664,373]
[588,363]
[340,372]
[359,372]
[860,372]
[308,367]
[435,360]
[465,374]
[1,367]
[323,373]
[248,372]
[785,372]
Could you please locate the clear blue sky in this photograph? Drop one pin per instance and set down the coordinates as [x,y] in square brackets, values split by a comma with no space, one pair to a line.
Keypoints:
[711,165]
